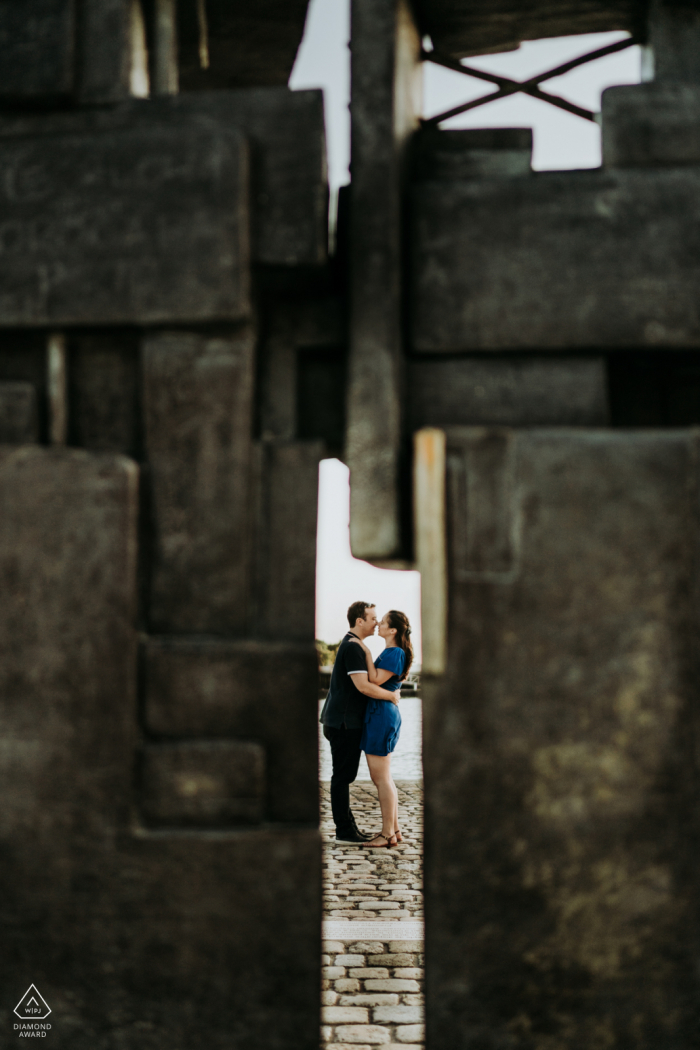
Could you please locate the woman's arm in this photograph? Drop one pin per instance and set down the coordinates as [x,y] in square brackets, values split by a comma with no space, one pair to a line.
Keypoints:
[375,674]
[359,680]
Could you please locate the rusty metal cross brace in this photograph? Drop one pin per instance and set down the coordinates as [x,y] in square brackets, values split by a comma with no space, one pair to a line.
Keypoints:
[506,86]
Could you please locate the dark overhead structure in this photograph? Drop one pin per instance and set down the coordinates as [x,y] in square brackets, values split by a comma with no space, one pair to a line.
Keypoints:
[509,361]
[252,43]
[485,26]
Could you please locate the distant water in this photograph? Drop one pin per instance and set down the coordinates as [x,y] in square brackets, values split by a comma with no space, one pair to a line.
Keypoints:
[406,762]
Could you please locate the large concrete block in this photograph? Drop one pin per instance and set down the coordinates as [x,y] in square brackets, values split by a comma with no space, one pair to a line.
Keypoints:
[184,938]
[230,953]
[252,42]
[470,153]
[68,672]
[55,50]
[197,938]
[261,691]
[104,392]
[557,260]
[24,359]
[289,196]
[285,129]
[285,491]
[37,49]
[485,26]
[134,226]
[197,397]
[110,44]
[203,783]
[651,125]
[674,37]
[386,99]
[507,391]
[19,423]
[560,770]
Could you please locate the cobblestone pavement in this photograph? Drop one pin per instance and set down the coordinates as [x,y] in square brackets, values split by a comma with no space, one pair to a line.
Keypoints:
[372,990]
[361,884]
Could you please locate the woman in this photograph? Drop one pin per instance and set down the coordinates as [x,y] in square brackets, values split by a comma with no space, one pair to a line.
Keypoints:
[382,726]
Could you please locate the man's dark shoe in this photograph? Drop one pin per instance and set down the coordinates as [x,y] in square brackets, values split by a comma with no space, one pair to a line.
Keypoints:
[351,837]
[366,835]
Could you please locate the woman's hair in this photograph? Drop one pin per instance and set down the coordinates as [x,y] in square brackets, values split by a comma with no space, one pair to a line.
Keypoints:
[399,620]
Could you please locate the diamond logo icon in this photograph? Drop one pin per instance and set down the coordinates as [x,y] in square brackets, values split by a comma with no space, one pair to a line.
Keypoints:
[32,1006]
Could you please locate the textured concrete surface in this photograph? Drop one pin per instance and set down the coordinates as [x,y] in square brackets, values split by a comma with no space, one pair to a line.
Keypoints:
[197,393]
[503,263]
[561,824]
[285,132]
[134,226]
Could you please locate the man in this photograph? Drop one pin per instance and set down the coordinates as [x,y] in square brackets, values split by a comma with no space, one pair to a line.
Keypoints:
[343,717]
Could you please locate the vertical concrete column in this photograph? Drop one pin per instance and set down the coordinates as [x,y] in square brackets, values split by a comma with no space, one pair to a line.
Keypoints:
[559,747]
[385,107]
[674,37]
[197,397]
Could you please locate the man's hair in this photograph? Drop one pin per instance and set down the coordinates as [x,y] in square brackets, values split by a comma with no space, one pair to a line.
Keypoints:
[357,611]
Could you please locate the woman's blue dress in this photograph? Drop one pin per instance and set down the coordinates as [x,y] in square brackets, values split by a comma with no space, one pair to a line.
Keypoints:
[380,733]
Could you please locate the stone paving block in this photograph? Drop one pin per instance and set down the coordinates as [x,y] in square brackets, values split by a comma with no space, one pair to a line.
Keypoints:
[213,782]
[392,959]
[329,998]
[197,394]
[349,960]
[415,973]
[392,985]
[410,1033]
[325,960]
[372,1034]
[374,972]
[346,1046]
[347,985]
[332,946]
[397,1014]
[333,972]
[344,1015]
[365,999]
[326,1033]
[131,227]
[413,1000]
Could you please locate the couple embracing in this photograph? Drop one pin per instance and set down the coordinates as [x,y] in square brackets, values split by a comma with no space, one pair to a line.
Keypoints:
[361,713]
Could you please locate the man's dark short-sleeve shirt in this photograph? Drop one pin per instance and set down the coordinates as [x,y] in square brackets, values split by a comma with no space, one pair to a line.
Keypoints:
[345,705]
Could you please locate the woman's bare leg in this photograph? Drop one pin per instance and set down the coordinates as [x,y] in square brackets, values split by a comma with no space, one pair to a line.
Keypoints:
[397,829]
[380,772]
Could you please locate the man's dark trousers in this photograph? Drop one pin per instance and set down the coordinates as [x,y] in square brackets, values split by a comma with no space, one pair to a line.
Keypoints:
[345,751]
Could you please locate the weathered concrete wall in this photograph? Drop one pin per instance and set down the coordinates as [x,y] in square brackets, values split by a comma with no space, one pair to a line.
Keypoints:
[556,260]
[561,882]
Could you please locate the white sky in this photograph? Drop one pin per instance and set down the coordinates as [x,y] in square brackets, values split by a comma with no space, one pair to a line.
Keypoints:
[560,141]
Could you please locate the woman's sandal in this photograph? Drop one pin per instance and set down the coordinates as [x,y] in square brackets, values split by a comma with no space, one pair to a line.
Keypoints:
[398,836]
[382,845]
